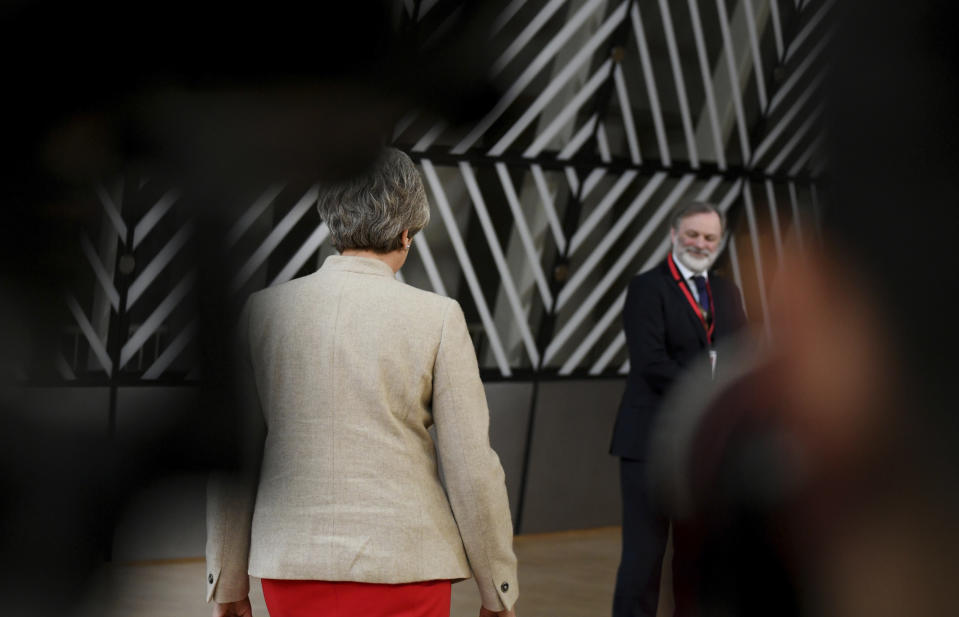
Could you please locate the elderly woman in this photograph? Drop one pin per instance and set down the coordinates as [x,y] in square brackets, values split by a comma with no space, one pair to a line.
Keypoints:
[345,372]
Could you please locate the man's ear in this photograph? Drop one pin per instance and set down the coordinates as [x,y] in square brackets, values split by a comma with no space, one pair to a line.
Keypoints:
[835,366]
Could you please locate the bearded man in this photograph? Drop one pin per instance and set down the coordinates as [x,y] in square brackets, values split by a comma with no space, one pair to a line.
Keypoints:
[674,315]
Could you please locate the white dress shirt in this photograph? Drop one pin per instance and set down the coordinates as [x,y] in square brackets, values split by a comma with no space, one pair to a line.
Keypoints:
[688,275]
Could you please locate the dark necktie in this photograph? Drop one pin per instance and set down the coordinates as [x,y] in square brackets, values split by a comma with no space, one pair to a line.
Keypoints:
[700,281]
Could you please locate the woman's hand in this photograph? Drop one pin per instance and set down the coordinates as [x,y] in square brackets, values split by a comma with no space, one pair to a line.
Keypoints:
[241,608]
[485,612]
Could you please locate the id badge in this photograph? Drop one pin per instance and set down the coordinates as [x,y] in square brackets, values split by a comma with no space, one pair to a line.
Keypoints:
[712,361]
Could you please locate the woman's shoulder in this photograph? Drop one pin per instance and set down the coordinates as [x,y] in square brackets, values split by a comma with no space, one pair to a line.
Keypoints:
[426,300]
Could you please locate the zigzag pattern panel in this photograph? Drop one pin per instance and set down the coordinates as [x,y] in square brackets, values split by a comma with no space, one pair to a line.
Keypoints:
[611,113]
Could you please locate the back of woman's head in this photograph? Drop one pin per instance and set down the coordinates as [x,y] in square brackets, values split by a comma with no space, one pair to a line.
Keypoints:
[370,211]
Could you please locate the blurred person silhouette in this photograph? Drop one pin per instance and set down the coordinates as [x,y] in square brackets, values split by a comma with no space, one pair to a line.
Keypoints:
[675,313]
[823,479]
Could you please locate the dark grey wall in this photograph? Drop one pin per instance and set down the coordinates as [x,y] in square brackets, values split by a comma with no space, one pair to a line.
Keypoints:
[572,481]
[509,421]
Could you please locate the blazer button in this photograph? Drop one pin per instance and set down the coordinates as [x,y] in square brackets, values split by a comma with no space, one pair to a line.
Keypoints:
[209,579]
[504,587]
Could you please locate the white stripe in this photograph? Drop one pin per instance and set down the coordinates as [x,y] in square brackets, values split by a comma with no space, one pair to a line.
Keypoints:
[786,119]
[96,345]
[786,150]
[499,259]
[113,213]
[706,73]
[274,238]
[581,136]
[103,277]
[158,263]
[587,306]
[598,330]
[632,139]
[680,84]
[432,135]
[541,60]
[151,218]
[524,37]
[609,354]
[608,201]
[709,188]
[774,219]
[507,15]
[620,340]
[730,197]
[307,250]
[404,123]
[650,85]
[735,86]
[757,256]
[797,222]
[757,59]
[568,112]
[558,83]
[547,200]
[155,320]
[573,179]
[602,142]
[423,250]
[795,169]
[252,213]
[658,255]
[737,275]
[777,28]
[532,255]
[797,42]
[172,351]
[591,182]
[464,260]
[796,75]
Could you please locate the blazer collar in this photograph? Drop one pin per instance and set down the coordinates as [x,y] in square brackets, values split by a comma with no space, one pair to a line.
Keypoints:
[359,265]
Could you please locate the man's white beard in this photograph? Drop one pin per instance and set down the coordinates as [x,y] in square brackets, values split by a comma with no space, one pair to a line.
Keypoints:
[694,261]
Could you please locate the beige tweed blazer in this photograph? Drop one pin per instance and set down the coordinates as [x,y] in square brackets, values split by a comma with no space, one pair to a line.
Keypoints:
[348,369]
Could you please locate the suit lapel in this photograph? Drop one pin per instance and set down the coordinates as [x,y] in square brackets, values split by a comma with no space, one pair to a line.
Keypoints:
[680,297]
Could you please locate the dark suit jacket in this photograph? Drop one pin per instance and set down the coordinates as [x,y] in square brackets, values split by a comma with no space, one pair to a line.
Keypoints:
[664,336]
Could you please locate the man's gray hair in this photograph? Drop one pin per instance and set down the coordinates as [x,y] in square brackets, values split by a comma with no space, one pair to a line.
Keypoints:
[370,211]
[690,208]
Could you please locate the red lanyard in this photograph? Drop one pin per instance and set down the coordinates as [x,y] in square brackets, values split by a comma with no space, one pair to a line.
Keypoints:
[692,301]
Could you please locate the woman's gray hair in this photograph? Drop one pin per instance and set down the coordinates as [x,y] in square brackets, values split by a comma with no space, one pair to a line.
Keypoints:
[370,211]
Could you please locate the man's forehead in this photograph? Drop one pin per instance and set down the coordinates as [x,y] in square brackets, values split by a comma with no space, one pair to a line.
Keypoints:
[700,220]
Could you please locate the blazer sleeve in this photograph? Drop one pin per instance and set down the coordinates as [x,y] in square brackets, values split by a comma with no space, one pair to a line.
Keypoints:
[644,322]
[231,494]
[475,481]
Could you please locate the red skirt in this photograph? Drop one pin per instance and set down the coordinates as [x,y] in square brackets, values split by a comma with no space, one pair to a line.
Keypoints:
[348,599]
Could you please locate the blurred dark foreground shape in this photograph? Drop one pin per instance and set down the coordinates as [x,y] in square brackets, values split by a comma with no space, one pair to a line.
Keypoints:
[825,480]
[217,100]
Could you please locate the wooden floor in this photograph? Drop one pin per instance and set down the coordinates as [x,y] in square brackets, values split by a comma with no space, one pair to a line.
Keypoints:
[568,574]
